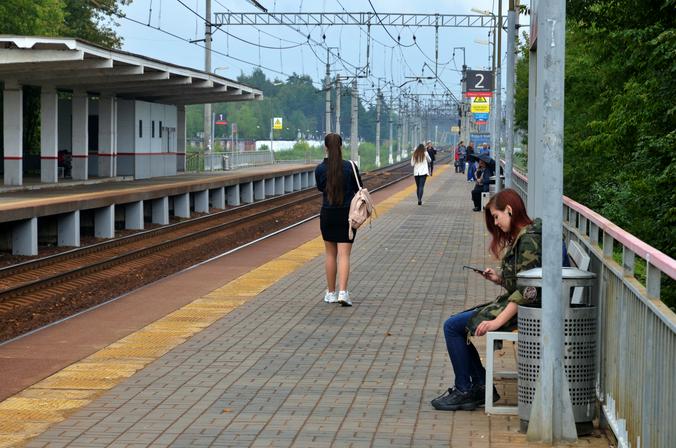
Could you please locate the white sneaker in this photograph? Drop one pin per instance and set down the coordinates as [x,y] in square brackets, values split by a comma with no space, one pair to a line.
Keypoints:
[330,297]
[344,298]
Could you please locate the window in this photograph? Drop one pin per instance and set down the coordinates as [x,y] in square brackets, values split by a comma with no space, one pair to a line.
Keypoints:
[152,129]
[140,129]
[160,129]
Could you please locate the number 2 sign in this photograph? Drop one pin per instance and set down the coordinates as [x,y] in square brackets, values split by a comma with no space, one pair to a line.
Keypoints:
[479,83]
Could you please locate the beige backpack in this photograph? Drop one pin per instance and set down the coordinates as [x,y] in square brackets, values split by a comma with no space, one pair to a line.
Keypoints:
[361,207]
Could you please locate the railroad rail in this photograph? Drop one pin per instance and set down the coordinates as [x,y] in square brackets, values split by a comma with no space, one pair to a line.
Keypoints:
[37,292]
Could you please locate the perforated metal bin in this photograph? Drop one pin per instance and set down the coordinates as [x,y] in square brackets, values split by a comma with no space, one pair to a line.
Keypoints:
[579,348]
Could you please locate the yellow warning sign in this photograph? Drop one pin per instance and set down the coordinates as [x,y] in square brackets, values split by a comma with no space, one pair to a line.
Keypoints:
[480,105]
[277,123]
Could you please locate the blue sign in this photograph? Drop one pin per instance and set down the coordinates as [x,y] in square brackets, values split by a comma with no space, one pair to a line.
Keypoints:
[479,139]
[481,117]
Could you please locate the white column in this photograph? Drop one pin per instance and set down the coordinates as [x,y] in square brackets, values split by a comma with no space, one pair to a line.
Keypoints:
[12,123]
[25,237]
[160,211]
[233,195]
[133,215]
[246,192]
[218,197]
[80,135]
[106,136]
[202,201]
[259,190]
[68,226]
[288,183]
[49,135]
[270,187]
[279,185]
[182,205]
[104,222]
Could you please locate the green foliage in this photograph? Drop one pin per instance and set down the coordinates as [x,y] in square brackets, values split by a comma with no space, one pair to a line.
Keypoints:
[620,128]
[88,20]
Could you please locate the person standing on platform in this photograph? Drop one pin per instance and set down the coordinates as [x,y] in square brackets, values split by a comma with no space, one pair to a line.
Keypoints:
[483,178]
[462,152]
[471,167]
[336,180]
[432,153]
[518,239]
[420,162]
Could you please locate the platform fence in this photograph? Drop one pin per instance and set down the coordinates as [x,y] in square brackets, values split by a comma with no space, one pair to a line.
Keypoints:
[636,343]
[226,161]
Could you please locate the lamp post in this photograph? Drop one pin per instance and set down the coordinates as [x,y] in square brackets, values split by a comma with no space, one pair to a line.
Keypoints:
[496,113]
[464,115]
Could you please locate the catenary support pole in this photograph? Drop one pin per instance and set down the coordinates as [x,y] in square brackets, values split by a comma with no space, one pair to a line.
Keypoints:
[208,142]
[327,95]
[354,120]
[498,102]
[551,419]
[378,102]
[509,101]
[390,161]
[338,100]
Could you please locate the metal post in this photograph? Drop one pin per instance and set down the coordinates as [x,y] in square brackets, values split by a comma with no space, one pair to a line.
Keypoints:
[509,101]
[498,101]
[207,68]
[399,122]
[327,102]
[551,418]
[354,119]
[338,99]
[378,101]
[389,119]
[272,132]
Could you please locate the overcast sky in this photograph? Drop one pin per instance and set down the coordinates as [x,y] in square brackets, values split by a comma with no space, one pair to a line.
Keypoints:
[389,61]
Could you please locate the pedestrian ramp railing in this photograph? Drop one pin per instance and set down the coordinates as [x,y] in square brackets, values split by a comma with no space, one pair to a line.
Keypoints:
[636,341]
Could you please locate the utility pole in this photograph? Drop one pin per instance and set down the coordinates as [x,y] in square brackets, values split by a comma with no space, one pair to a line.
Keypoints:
[207,68]
[509,101]
[399,120]
[338,99]
[354,119]
[327,102]
[498,102]
[404,136]
[378,101]
[389,119]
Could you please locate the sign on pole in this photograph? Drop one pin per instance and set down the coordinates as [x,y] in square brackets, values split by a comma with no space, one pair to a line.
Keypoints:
[277,123]
[479,83]
[480,105]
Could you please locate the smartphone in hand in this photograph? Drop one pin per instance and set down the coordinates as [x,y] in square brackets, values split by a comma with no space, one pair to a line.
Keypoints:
[474,268]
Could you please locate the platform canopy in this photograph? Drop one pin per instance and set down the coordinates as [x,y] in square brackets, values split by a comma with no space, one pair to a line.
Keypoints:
[74,64]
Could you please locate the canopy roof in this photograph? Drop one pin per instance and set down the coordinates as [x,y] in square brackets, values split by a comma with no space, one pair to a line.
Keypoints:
[74,64]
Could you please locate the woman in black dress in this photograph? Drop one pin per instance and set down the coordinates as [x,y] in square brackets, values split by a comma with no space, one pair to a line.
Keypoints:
[336,180]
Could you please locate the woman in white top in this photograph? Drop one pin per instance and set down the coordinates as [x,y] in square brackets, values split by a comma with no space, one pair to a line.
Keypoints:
[420,161]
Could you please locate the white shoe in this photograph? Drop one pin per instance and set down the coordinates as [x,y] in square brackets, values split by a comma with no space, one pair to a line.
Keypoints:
[330,297]
[344,298]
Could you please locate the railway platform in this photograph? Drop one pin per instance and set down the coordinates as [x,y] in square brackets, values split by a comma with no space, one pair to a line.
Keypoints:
[256,358]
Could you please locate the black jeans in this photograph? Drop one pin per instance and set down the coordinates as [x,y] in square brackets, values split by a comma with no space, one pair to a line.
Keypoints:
[476,195]
[420,186]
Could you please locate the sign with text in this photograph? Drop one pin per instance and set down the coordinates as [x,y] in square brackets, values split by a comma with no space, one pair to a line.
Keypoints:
[481,117]
[277,123]
[480,105]
[479,83]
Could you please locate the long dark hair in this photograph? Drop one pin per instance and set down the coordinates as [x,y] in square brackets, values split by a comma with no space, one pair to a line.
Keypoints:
[419,154]
[519,220]
[334,175]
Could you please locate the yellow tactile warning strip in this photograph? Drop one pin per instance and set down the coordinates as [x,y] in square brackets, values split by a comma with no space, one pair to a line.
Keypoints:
[33,410]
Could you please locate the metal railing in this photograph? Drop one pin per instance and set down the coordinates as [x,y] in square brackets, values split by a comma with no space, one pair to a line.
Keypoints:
[636,382]
[224,161]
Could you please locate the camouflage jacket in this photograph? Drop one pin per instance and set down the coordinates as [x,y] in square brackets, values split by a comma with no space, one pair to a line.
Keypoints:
[524,254]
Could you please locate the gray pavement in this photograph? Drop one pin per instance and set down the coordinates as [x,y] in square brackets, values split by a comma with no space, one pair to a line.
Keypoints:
[286,369]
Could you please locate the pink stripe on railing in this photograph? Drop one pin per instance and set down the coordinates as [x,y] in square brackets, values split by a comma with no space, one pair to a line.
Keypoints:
[657,258]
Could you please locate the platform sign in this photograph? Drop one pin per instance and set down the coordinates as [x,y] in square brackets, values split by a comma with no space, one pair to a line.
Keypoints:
[455,128]
[480,104]
[480,117]
[277,123]
[479,83]
[220,120]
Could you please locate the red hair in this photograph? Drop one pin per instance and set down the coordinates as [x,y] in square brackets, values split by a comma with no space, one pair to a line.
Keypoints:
[519,219]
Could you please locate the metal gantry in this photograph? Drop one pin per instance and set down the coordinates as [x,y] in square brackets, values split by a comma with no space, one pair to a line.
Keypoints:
[354,19]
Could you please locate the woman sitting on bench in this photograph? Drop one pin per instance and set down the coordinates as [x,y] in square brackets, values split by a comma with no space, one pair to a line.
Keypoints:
[519,240]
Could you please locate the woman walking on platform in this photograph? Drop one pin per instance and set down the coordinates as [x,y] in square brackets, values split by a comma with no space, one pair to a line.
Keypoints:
[336,180]
[519,240]
[420,162]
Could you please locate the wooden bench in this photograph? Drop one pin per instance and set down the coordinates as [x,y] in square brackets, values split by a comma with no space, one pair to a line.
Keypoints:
[581,260]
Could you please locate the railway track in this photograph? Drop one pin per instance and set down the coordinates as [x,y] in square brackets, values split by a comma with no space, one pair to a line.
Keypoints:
[37,292]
